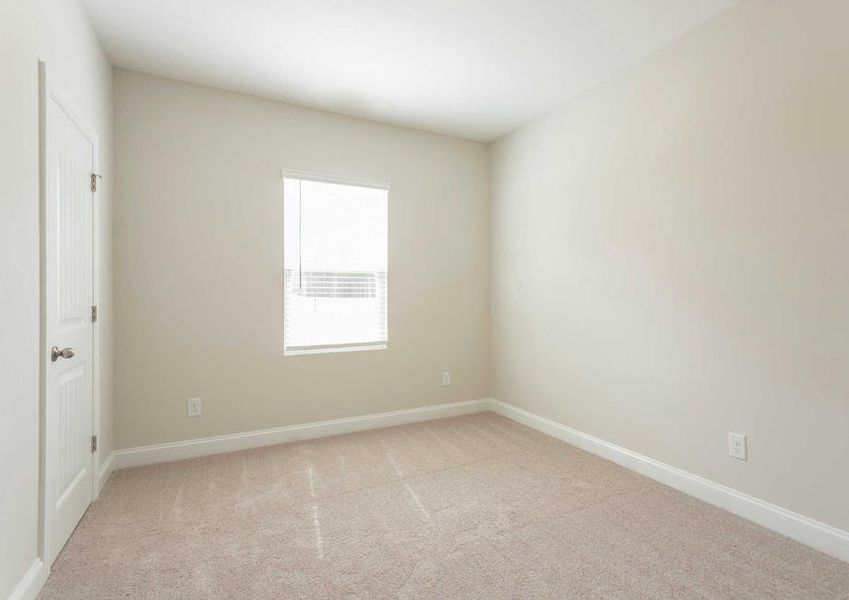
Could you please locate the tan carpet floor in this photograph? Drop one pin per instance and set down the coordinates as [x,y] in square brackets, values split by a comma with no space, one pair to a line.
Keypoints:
[468,507]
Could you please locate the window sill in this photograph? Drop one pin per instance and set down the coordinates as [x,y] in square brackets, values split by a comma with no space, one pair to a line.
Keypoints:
[334,349]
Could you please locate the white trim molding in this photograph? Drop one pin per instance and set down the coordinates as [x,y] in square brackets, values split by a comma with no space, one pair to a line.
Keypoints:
[823,537]
[333,178]
[146,455]
[31,583]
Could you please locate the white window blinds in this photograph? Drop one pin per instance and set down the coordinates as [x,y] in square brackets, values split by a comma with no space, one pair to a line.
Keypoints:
[335,261]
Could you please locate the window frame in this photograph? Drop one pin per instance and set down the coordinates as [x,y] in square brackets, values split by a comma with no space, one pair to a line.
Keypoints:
[340,180]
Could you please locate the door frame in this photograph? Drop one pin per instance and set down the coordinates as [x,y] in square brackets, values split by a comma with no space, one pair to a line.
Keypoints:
[49,89]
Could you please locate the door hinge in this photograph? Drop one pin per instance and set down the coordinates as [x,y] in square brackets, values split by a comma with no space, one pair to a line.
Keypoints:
[94,443]
[94,178]
[94,314]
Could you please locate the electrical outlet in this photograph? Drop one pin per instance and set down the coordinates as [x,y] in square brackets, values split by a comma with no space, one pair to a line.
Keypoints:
[194,407]
[737,445]
[446,378]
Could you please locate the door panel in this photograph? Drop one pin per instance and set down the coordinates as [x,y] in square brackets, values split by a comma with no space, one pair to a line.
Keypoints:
[74,222]
[73,454]
[69,156]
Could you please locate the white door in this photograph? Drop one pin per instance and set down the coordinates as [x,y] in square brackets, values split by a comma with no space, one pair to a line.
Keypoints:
[68,293]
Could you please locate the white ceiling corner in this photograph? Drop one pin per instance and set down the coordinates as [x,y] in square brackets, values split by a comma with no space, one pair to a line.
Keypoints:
[470,68]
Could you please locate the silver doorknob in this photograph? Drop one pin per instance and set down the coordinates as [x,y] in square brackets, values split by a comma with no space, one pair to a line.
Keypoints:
[56,354]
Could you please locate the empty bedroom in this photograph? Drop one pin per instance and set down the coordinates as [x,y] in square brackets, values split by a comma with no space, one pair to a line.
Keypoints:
[428,299]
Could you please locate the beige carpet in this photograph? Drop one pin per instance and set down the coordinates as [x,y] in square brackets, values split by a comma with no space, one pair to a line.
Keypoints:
[469,507]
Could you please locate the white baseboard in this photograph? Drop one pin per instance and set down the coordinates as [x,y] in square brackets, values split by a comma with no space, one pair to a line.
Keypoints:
[31,583]
[146,455]
[105,471]
[824,538]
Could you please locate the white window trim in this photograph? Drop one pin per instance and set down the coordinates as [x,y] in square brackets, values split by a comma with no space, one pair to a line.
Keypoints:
[331,178]
[331,348]
[343,180]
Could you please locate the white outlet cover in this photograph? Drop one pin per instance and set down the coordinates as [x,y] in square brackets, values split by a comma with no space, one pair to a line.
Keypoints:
[446,378]
[194,407]
[737,445]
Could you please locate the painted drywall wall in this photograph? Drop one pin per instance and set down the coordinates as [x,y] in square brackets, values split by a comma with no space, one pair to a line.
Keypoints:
[57,32]
[671,256]
[199,277]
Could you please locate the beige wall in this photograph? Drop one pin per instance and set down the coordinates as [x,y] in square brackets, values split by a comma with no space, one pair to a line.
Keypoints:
[671,256]
[58,33]
[198,244]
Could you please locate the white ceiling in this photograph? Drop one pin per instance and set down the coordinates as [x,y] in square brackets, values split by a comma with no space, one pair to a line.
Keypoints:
[470,68]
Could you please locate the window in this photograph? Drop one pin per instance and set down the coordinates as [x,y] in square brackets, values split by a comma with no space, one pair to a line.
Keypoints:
[335,261]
